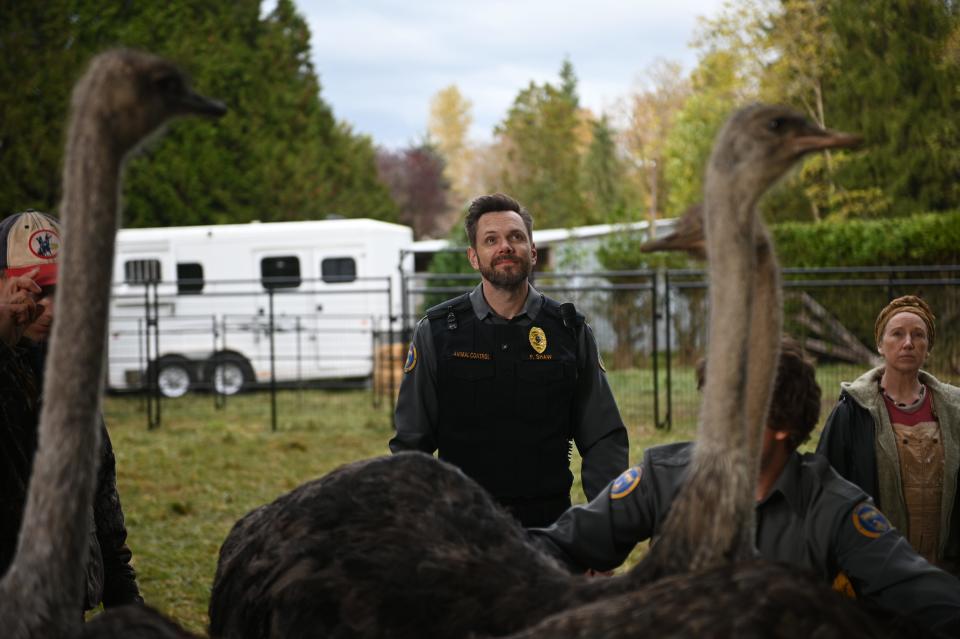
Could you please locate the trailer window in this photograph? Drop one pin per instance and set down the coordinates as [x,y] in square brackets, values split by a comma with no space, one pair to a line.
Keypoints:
[189,278]
[338,269]
[141,271]
[280,272]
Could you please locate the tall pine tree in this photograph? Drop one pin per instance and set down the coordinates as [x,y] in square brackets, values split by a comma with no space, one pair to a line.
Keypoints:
[899,90]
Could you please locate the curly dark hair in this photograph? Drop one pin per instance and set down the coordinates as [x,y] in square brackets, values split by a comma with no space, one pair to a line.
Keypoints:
[491,204]
[795,405]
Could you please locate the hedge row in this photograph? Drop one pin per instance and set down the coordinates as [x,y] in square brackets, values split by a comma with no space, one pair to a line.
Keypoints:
[921,239]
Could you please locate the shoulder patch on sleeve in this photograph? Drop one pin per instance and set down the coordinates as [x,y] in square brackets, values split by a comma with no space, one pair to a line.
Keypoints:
[869,521]
[411,361]
[625,483]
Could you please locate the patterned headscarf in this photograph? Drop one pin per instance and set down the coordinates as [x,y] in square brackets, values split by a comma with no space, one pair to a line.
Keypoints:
[906,304]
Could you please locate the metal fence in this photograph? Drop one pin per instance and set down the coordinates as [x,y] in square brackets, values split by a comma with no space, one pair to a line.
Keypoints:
[277,333]
[650,327]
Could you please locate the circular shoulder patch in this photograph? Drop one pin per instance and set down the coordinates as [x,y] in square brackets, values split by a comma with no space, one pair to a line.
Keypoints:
[625,483]
[411,362]
[869,521]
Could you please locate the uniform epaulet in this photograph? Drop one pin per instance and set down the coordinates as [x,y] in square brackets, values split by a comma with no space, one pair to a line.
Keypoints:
[456,304]
[566,312]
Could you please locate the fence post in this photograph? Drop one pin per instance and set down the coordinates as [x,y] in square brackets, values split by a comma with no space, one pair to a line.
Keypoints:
[219,399]
[273,367]
[656,367]
[668,420]
[152,313]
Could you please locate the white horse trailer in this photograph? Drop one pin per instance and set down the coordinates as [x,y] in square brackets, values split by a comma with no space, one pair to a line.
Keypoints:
[193,306]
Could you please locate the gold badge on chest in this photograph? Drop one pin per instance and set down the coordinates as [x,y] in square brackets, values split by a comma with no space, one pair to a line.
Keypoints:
[538,339]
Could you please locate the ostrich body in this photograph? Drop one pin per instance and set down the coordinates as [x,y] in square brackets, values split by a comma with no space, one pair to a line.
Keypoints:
[398,546]
[123,97]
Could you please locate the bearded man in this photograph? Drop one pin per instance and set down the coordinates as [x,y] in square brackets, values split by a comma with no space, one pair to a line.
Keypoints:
[501,380]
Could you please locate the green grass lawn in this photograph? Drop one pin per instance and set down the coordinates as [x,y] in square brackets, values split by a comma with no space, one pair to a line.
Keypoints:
[186,483]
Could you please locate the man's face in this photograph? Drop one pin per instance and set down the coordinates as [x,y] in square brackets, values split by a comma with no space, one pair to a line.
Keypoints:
[904,343]
[504,254]
[39,329]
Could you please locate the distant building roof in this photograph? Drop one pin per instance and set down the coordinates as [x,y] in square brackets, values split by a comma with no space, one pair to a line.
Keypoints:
[545,237]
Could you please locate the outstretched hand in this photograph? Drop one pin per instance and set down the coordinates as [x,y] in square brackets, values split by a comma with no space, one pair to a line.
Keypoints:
[18,305]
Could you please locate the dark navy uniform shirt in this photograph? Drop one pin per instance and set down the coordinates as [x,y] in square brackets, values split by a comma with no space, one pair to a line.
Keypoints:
[812,518]
[598,430]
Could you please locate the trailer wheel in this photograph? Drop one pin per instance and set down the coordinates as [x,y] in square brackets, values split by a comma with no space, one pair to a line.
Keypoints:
[229,373]
[173,376]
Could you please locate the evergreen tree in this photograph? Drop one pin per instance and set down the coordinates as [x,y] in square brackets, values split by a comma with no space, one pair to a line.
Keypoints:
[603,176]
[542,163]
[278,154]
[899,90]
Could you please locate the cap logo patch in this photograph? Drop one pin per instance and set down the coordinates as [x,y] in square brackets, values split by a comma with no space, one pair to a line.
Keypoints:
[45,244]
[869,521]
[538,339]
[625,483]
[411,362]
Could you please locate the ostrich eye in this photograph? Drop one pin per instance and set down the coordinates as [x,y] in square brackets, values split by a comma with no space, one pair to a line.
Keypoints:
[170,84]
[776,124]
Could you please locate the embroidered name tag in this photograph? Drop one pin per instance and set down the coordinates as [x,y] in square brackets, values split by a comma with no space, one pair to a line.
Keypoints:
[541,356]
[472,355]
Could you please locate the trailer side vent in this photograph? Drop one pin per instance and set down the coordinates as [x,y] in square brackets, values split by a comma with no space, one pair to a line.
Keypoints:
[336,270]
[280,272]
[189,278]
[141,271]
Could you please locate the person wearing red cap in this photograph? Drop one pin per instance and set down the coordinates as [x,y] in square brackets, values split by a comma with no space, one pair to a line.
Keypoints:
[29,245]
[895,432]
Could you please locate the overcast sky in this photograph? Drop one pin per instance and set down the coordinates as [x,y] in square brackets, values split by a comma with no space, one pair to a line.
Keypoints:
[381,61]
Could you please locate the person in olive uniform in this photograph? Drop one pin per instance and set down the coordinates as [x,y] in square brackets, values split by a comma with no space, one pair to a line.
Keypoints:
[500,380]
[807,515]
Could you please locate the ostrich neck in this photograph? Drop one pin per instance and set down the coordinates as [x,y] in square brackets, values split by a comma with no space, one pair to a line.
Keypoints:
[729,229]
[45,582]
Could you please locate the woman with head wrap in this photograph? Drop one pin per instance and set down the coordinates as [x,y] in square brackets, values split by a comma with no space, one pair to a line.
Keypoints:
[896,433]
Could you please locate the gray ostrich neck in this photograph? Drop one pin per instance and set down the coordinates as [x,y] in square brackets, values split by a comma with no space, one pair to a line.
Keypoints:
[729,229]
[44,586]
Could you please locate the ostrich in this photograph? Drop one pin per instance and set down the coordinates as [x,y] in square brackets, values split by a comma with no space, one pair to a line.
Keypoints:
[123,97]
[704,579]
[711,519]
[398,546]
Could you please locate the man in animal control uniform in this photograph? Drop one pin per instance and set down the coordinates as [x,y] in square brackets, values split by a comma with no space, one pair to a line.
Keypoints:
[807,515]
[502,379]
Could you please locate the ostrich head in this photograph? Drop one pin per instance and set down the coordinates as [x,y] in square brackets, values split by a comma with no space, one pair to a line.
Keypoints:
[131,94]
[761,142]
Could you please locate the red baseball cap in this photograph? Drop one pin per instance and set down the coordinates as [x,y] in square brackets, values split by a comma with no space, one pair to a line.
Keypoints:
[30,240]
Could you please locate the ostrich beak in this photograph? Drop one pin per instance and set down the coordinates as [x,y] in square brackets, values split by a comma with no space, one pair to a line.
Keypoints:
[820,139]
[191,102]
[687,236]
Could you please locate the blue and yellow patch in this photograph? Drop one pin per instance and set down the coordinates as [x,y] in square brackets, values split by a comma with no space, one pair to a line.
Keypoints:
[625,483]
[411,362]
[869,521]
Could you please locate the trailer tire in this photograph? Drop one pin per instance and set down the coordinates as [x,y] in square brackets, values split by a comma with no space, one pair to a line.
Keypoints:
[229,373]
[174,378]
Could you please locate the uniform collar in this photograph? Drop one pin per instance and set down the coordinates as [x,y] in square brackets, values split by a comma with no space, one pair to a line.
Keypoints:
[531,307]
[788,484]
